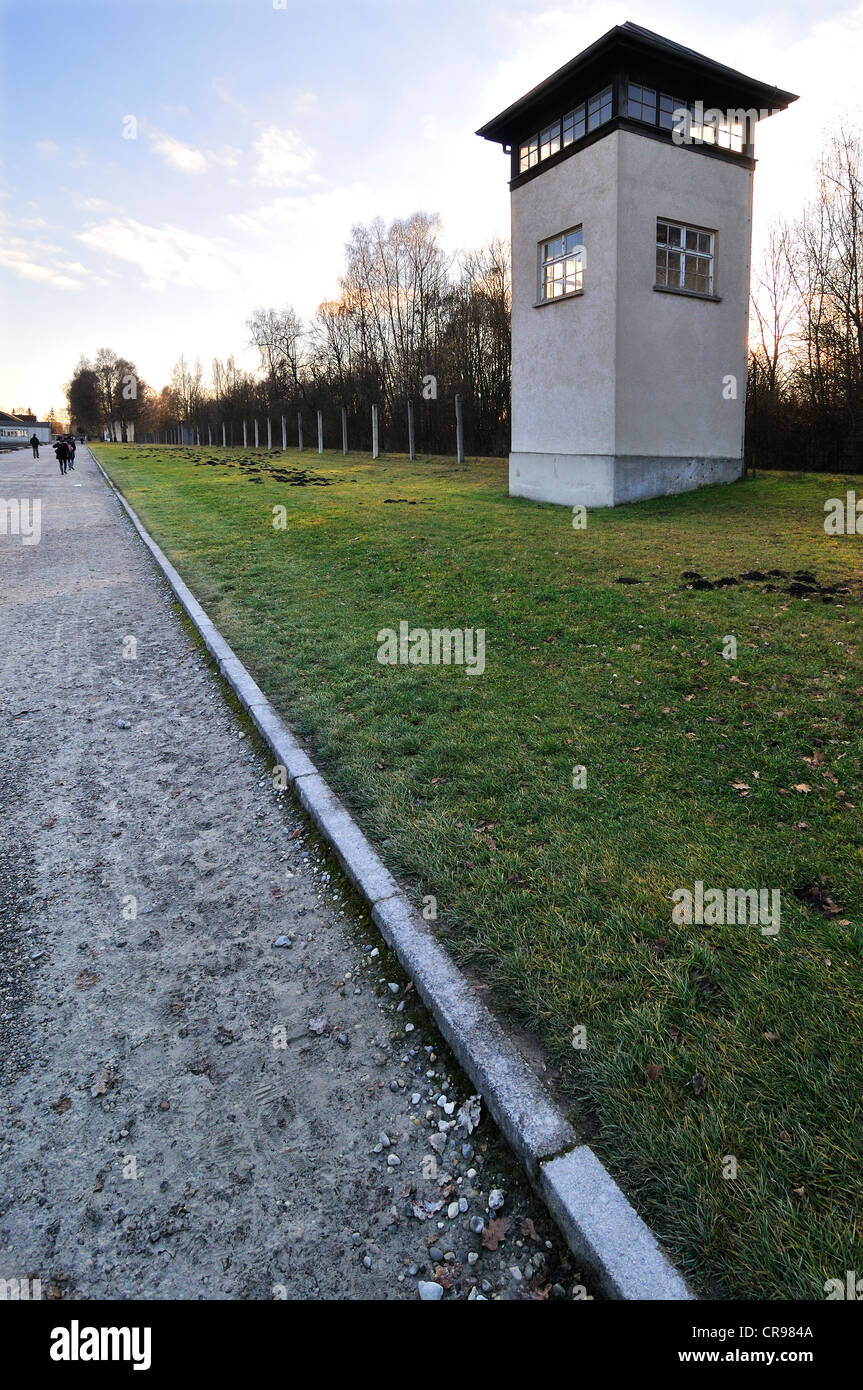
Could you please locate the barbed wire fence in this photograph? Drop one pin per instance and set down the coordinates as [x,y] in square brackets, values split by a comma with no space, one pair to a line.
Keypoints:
[317,429]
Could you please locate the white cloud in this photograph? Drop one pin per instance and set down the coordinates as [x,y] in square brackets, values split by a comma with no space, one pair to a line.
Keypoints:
[227,156]
[47,148]
[166,255]
[219,85]
[183,157]
[283,160]
[18,257]
[95,205]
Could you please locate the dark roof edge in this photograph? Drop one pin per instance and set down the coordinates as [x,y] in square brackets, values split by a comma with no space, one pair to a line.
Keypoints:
[632,36]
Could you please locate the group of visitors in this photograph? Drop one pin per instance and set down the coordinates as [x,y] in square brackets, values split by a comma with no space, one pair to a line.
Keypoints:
[64,448]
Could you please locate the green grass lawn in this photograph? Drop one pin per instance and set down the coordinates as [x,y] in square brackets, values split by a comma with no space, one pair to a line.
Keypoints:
[704,1042]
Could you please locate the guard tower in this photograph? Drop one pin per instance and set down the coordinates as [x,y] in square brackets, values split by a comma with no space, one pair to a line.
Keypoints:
[631,191]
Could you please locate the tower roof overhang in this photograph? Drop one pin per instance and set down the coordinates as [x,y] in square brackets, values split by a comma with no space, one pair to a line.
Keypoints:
[664,62]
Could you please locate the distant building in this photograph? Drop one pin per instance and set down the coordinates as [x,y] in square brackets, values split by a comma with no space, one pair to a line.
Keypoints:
[631,185]
[41,428]
[14,433]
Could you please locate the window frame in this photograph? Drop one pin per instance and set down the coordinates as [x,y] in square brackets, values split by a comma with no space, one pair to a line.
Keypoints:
[632,102]
[547,137]
[602,104]
[544,261]
[684,252]
[528,147]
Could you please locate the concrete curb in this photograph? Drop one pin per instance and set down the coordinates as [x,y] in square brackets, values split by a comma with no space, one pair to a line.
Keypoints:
[603,1230]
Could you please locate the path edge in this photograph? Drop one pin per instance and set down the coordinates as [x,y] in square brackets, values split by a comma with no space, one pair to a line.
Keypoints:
[601,1227]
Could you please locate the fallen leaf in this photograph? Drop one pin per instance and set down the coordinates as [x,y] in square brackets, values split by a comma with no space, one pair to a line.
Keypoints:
[495,1231]
[653,1071]
[423,1211]
[470,1113]
[528,1229]
[86,979]
[101,1084]
[699,1085]
[771,1037]
[802,787]
[62,1105]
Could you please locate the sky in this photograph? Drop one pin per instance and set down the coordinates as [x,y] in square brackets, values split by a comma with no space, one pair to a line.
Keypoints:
[168,166]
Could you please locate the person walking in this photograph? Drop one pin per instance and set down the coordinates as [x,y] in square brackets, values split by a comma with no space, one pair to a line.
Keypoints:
[70,449]
[34,444]
[62,454]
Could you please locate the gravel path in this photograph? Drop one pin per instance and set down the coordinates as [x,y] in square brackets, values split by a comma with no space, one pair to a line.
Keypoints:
[191,1111]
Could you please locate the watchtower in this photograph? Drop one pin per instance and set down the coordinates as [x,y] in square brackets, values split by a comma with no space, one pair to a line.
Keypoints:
[631,192]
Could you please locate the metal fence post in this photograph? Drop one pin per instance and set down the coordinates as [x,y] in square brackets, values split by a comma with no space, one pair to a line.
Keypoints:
[459,431]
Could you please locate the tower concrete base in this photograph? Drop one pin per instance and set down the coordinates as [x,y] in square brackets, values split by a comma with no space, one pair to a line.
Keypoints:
[608,480]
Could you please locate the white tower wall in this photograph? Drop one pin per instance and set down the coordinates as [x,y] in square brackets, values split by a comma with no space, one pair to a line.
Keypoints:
[618,392]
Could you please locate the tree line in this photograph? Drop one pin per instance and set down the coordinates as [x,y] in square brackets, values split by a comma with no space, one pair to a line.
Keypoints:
[410,323]
[804,404]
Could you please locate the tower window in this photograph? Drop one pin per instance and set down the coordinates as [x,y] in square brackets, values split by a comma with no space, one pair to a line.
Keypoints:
[730,136]
[574,124]
[667,107]
[549,140]
[641,103]
[599,109]
[528,154]
[684,257]
[561,268]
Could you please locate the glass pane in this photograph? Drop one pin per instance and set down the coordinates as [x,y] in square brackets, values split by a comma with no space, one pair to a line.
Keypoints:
[549,140]
[691,274]
[661,268]
[662,233]
[674,236]
[674,259]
